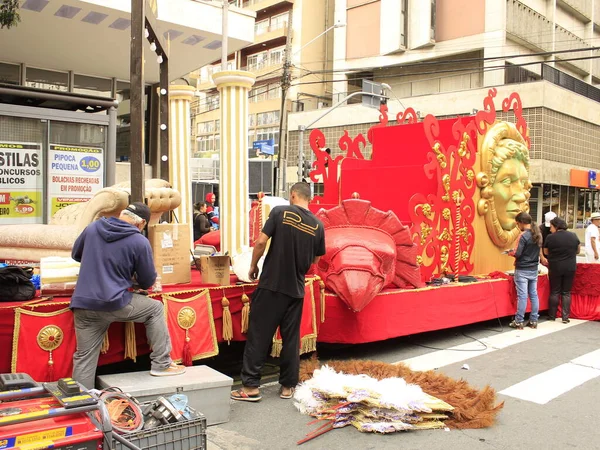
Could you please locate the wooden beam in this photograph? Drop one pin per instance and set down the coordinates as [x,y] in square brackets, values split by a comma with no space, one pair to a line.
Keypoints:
[164,118]
[136,130]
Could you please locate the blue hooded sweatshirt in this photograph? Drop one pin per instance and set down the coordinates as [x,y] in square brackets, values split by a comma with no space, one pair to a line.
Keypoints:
[111,252]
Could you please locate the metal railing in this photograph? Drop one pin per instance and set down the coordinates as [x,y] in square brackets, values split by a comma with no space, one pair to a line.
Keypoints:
[569,82]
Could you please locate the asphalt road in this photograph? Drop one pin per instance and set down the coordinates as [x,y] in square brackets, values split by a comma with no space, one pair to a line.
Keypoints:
[558,409]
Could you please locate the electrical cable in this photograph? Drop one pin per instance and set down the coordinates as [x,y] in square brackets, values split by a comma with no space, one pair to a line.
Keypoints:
[125,413]
[486,69]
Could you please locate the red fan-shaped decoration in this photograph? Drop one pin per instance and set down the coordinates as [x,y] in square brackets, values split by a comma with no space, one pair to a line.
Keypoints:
[367,250]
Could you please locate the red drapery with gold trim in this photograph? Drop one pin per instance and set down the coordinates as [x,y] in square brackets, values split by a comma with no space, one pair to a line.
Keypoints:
[43,344]
[191,327]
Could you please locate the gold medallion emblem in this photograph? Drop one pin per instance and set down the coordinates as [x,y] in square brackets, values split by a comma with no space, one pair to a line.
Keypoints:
[186,318]
[50,337]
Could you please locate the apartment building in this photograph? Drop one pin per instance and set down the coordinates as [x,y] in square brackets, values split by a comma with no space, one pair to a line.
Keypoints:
[441,57]
[304,25]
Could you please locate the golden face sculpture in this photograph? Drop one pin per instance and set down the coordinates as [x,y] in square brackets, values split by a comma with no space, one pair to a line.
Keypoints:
[504,181]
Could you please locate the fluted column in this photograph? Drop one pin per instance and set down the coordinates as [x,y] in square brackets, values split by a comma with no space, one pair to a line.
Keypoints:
[233,181]
[180,98]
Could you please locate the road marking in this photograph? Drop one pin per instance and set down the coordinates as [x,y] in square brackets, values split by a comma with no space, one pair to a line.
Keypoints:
[459,353]
[546,386]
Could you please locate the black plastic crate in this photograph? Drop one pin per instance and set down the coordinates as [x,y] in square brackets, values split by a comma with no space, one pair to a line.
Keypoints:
[187,435]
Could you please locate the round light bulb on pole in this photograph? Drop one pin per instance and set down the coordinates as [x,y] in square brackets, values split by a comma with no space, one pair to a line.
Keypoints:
[153,46]
[163,126]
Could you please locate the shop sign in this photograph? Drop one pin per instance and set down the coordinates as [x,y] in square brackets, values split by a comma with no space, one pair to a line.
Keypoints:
[21,182]
[592,179]
[75,174]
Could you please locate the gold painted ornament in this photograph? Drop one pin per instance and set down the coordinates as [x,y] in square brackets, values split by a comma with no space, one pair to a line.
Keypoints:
[49,339]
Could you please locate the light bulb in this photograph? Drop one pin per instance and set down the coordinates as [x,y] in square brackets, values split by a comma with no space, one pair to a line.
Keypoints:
[163,91]
[164,157]
[163,127]
[146,32]
[159,59]
[153,46]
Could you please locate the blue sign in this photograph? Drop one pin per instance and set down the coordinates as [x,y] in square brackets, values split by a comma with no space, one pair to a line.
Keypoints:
[266,146]
[592,179]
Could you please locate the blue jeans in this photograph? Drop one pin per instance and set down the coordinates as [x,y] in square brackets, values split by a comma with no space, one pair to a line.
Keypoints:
[526,284]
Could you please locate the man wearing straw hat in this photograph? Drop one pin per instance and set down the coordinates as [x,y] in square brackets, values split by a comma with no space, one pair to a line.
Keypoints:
[592,236]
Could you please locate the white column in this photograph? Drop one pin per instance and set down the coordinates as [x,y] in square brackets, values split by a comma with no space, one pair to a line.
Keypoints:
[234,86]
[180,98]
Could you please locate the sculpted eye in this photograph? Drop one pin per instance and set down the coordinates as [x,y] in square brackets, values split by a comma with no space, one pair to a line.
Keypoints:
[506,182]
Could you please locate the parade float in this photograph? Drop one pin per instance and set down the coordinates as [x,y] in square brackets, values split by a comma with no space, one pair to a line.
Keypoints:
[436,201]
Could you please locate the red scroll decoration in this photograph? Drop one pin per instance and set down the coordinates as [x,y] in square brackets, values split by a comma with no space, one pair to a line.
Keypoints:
[191,326]
[443,223]
[44,344]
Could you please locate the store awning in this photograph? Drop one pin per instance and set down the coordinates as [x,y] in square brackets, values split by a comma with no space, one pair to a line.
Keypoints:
[92,37]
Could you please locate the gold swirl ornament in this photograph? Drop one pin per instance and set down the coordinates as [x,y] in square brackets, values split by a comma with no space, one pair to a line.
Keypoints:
[50,337]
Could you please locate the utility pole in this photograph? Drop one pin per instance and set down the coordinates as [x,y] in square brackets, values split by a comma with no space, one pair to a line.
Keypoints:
[286,81]
[136,130]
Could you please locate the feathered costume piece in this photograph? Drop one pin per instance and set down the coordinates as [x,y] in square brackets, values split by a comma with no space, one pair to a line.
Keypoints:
[368,404]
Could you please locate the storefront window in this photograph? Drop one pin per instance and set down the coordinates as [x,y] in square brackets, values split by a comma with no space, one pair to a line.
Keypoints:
[47,79]
[9,73]
[124,121]
[582,211]
[99,87]
[570,213]
[75,163]
[22,145]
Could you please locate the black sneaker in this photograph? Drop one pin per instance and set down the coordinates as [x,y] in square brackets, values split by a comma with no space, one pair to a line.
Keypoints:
[532,324]
[566,321]
[515,324]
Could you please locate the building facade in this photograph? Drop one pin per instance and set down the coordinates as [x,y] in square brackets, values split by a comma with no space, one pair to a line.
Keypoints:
[441,57]
[305,28]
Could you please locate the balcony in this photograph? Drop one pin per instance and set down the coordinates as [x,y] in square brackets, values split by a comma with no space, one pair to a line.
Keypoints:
[597,15]
[261,5]
[270,33]
[580,8]
[528,27]
[596,65]
[565,40]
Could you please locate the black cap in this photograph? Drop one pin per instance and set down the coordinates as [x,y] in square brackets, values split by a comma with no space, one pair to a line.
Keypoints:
[140,210]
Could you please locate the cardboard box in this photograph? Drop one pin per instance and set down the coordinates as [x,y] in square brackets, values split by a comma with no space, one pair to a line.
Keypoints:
[215,269]
[171,248]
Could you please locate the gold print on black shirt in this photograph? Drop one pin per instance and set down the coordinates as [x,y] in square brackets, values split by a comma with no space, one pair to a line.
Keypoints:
[294,220]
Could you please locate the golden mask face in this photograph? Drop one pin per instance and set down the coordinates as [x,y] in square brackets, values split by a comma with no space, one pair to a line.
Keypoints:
[510,192]
[504,182]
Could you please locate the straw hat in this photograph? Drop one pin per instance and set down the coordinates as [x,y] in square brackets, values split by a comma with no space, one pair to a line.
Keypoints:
[595,216]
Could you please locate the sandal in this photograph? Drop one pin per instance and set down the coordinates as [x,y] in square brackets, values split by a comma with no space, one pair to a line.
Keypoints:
[240,396]
[287,396]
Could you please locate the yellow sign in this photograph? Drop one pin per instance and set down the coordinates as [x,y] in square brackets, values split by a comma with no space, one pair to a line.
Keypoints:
[61,202]
[38,438]
[20,205]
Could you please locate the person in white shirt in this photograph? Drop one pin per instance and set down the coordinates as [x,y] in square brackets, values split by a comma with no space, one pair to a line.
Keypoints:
[592,238]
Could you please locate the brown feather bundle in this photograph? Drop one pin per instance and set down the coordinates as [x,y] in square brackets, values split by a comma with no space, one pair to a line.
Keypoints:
[473,408]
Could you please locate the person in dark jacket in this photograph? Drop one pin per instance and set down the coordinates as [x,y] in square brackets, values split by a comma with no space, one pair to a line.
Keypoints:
[113,252]
[527,258]
[561,248]
[201,221]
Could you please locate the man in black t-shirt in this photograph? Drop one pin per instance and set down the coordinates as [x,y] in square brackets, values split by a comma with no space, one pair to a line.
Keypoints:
[297,242]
